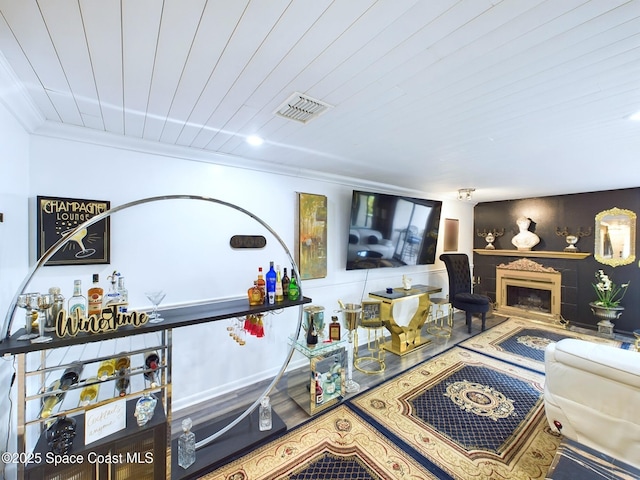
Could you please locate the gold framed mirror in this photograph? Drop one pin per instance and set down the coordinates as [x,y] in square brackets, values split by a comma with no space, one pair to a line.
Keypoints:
[615,237]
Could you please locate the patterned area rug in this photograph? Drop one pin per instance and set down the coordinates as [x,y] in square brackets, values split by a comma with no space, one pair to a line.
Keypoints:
[336,445]
[468,415]
[522,342]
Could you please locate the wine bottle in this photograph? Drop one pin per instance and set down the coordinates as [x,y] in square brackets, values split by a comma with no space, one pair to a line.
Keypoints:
[70,376]
[78,302]
[90,392]
[50,401]
[312,334]
[294,291]
[123,362]
[95,295]
[271,284]
[152,360]
[122,382]
[285,283]
[106,368]
[262,285]
[279,292]
[186,445]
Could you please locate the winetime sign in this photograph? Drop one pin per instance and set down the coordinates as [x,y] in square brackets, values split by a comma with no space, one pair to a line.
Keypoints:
[58,217]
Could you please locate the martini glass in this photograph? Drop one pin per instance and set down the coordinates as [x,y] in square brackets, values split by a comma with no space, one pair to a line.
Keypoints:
[45,302]
[155,297]
[28,301]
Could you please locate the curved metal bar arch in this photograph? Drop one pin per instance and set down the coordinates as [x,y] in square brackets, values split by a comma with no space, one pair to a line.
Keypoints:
[6,329]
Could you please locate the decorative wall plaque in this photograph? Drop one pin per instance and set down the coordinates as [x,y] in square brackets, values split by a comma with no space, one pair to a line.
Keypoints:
[59,216]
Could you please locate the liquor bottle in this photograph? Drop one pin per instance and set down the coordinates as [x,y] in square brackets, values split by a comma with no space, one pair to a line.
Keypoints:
[151,360]
[265,421]
[285,283]
[312,334]
[334,329]
[271,284]
[50,401]
[294,291]
[186,445]
[122,382]
[255,295]
[279,292]
[78,302]
[71,375]
[89,393]
[112,297]
[106,368]
[95,295]
[123,362]
[319,390]
[124,296]
[262,285]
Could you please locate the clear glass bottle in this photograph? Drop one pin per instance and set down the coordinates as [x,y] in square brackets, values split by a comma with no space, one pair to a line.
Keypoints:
[186,445]
[271,284]
[279,291]
[255,295]
[124,296]
[50,401]
[95,294]
[112,297]
[334,329]
[106,369]
[78,302]
[265,421]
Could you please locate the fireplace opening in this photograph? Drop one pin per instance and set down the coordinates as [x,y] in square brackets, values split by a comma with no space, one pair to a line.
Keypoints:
[529,299]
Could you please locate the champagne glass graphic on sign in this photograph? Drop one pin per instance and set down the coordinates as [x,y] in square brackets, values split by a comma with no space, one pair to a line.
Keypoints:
[79,237]
[45,302]
[155,297]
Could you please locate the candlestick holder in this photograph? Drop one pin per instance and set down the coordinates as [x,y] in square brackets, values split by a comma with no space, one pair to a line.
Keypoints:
[490,236]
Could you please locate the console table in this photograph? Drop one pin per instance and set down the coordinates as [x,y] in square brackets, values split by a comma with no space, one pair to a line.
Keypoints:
[405,338]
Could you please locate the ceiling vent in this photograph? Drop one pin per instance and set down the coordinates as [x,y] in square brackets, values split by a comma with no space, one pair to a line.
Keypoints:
[302,108]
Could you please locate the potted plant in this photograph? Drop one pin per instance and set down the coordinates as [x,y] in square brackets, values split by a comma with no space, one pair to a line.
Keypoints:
[607,307]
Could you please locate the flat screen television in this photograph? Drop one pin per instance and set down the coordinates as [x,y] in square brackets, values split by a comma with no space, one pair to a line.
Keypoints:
[392,231]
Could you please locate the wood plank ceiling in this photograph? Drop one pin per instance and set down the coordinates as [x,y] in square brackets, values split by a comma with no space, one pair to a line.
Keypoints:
[514,98]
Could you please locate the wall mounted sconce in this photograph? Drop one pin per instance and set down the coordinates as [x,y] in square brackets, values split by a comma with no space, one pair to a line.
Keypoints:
[465,193]
[572,239]
[490,236]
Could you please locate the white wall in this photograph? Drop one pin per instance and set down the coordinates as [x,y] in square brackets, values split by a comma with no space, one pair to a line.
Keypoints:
[14,181]
[182,246]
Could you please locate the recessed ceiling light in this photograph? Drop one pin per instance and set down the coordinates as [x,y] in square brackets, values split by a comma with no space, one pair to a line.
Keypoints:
[255,140]
[635,117]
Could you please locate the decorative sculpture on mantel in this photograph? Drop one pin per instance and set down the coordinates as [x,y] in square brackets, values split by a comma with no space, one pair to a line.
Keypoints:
[572,239]
[490,236]
[525,240]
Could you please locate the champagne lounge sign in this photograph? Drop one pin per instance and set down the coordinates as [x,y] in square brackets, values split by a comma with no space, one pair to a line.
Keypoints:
[59,216]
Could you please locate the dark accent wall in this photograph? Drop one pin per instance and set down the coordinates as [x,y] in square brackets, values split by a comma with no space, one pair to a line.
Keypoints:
[547,214]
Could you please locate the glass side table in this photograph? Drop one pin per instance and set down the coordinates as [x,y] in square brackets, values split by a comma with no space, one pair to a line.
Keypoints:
[323,383]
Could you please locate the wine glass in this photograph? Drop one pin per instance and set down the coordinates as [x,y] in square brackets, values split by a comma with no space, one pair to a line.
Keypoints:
[45,301]
[28,301]
[155,297]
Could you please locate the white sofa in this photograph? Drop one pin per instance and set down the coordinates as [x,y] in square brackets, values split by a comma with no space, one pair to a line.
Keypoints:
[593,392]
[367,239]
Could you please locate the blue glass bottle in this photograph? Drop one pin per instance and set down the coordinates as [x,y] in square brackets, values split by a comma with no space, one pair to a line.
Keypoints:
[271,278]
